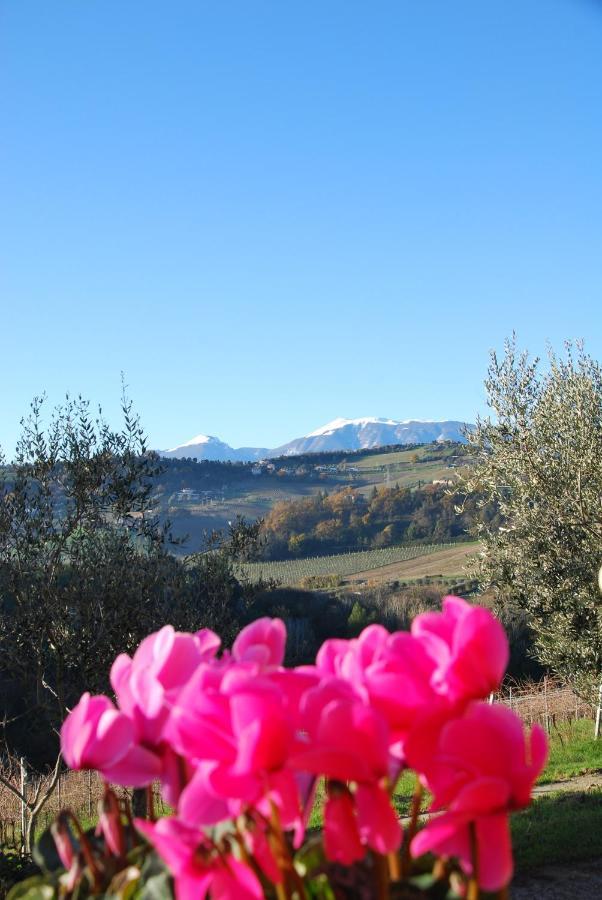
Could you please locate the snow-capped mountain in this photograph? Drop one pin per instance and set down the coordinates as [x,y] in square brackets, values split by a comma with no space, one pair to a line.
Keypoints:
[204,446]
[362,434]
[340,434]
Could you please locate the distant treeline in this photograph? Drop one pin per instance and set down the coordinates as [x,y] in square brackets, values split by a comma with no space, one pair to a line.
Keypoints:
[348,520]
[333,457]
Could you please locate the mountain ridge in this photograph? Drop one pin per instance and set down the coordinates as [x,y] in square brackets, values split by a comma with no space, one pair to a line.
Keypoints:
[338,435]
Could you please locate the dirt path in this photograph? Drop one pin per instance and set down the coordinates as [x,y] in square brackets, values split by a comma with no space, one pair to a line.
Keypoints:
[567,881]
[573,881]
[579,783]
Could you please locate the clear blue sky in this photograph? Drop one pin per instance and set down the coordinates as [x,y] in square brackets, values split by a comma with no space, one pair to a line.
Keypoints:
[269,214]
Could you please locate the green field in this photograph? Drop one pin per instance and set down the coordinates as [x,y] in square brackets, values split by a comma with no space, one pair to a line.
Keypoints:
[293,571]
[573,751]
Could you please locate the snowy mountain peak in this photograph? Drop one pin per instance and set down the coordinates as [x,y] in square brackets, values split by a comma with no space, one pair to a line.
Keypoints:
[339,435]
[333,426]
[199,439]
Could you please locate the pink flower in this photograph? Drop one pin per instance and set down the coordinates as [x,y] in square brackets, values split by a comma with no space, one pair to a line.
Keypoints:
[110,825]
[469,647]
[349,659]
[95,735]
[242,740]
[378,822]
[346,739]
[148,683]
[483,767]
[259,847]
[196,868]
[399,686]
[262,642]
[342,842]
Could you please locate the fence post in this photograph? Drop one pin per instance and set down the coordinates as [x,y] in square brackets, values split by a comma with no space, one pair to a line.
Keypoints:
[23,803]
[598,714]
[545,697]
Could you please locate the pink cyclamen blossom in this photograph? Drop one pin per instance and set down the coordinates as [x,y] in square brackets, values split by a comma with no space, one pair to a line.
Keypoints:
[345,739]
[95,735]
[261,642]
[348,742]
[239,744]
[378,822]
[196,868]
[469,647]
[342,841]
[148,683]
[110,825]
[349,659]
[484,766]
[259,847]
[398,683]
[238,735]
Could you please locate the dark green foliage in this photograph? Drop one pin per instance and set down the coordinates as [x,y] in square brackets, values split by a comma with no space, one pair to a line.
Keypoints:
[13,869]
[86,570]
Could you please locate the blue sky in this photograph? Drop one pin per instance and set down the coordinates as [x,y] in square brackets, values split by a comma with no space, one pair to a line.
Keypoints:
[270,214]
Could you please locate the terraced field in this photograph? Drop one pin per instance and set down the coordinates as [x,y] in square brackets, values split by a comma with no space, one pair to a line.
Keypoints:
[446,562]
[293,571]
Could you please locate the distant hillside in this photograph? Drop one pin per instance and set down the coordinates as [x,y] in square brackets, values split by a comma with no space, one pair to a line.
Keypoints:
[338,435]
[202,495]
[350,520]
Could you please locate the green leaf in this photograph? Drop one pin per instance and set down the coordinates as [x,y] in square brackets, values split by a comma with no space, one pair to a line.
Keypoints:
[155,880]
[124,884]
[45,854]
[159,887]
[38,887]
[311,856]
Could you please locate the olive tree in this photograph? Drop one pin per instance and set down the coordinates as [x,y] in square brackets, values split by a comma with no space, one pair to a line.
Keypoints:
[538,457]
[86,570]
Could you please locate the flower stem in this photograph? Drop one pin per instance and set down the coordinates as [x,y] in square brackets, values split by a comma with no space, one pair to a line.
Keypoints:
[473,892]
[150,803]
[394,866]
[282,855]
[86,850]
[411,830]
[382,876]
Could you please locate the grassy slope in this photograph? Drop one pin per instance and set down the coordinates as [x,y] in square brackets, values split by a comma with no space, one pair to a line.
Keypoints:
[559,827]
[573,751]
